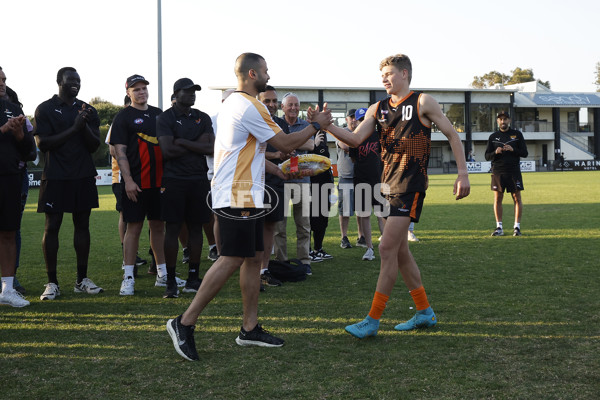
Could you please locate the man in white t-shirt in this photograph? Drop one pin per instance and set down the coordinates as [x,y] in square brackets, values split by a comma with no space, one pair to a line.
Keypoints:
[244,128]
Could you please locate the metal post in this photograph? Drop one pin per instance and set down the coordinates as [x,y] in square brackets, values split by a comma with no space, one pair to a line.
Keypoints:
[159,28]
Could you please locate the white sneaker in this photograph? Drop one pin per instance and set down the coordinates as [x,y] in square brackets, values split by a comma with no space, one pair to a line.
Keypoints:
[127,287]
[87,286]
[51,292]
[13,298]
[162,282]
[412,237]
[369,255]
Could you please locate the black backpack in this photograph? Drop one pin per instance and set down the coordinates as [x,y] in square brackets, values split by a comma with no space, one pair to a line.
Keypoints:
[288,271]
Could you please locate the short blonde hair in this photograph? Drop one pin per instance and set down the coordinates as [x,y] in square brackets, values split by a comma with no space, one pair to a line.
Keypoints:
[400,61]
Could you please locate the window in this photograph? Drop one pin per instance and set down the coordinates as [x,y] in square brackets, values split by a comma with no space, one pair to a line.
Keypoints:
[483,116]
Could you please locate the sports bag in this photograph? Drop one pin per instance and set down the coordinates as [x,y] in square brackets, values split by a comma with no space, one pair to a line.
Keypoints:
[288,271]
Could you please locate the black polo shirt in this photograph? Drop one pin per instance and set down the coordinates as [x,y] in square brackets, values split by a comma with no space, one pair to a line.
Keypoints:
[273,180]
[136,129]
[11,151]
[175,123]
[71,160]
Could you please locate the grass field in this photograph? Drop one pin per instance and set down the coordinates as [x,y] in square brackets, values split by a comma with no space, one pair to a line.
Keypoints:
[518,317]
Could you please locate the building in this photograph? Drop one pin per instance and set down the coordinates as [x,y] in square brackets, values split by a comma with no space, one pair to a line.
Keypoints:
[550,121]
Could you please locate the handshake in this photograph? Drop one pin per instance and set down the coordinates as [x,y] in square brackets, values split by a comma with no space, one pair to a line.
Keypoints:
[323,118]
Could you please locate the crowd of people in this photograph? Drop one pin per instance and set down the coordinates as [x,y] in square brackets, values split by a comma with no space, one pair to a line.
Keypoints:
[190,175]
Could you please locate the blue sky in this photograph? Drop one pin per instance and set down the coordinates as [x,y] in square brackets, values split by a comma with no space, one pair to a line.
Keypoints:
[308,43]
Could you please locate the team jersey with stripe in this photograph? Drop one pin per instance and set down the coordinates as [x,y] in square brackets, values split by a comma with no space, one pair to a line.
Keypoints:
[137,130]
[243,127]
[405,145]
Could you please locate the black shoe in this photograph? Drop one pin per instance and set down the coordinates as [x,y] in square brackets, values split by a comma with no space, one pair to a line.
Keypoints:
[262,287]
[140,261]
[345,244]
[258,337]
[498,232]
[171,292]
[192,286]
[324,255]
[361,242]
[183,339]
[213,254]
[186,256]
[269,280]
[516,232]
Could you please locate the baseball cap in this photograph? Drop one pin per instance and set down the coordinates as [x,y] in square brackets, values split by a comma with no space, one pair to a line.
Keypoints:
[360,113]
[185,83]
[503,114]
[133,79]
[351,112]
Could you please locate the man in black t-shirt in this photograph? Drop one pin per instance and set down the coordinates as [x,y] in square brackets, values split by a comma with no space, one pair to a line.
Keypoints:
[67,133]
[505,148]
[15,144]
[133,134]
[186,136]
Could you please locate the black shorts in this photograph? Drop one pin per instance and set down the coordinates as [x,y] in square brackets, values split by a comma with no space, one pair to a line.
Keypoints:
[274,201]
[71,196]
[507,181]
[116,189]
[364,198]
[10,202]
[406,205]
[240,234]
[185,200]
[147,205]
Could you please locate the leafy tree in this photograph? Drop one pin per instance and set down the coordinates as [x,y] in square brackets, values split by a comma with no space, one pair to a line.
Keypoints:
[518,75]
[106,110]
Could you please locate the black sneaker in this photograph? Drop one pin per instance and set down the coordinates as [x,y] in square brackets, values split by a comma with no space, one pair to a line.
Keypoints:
[498,232]
[258,337]
[517,232]
[139,261]
[171,292]
[183,339]
[186,256]
[324,255]
[213,254]
[345,244]
[361,242]
[268,280]
[192,286]
[18,287]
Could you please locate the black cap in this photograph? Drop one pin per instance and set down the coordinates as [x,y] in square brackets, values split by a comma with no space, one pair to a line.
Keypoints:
[351,112]
[133,79]
[185,83]
[503,114]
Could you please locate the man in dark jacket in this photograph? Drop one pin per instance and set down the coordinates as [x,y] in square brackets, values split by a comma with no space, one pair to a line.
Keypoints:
[505,148]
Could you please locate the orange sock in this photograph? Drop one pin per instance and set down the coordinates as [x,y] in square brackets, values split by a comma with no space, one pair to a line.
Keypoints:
[378,305]
[420,298]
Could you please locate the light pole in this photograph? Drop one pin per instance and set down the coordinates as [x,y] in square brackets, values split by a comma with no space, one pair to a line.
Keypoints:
[159,29]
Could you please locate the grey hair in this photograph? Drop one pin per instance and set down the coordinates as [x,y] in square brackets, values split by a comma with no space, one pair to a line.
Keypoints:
[289,94]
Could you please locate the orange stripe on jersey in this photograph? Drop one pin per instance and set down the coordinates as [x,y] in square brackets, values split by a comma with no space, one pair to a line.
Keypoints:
[264,113]
[241,195]
[413,208]
[401,100]
[419,112]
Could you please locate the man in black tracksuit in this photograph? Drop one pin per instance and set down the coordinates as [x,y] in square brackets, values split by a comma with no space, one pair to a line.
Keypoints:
[504,149]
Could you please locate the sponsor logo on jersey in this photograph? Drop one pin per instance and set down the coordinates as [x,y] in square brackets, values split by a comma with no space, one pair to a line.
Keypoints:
[138,121]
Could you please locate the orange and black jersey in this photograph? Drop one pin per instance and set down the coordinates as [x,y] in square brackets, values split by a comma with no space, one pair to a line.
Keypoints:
[137,130]
[405,145]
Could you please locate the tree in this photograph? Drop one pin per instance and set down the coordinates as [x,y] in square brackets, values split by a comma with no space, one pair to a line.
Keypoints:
[597,83]
[106,110]
[518,75]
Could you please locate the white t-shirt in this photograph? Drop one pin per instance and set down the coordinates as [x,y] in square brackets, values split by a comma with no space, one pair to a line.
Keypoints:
[243,127]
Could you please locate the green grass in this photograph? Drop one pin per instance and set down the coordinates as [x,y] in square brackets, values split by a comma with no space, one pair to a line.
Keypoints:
[518,317]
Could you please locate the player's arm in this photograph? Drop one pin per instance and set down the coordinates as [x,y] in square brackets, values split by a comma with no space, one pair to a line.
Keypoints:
[430,110]
[271,168]
[360,134]
[205,144]
[91,129]
[47,141]
[131,188]
[288,143]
